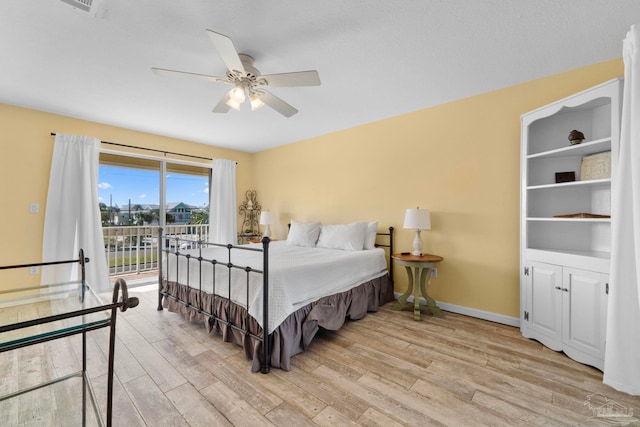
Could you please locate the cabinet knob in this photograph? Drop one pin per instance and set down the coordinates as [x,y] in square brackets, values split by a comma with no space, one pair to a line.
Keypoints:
[565,289]
[558,288]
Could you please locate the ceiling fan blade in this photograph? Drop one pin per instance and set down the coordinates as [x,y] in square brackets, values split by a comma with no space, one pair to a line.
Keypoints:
[173,73]
[277,104]
[222,106]
[227,52]
[299,78]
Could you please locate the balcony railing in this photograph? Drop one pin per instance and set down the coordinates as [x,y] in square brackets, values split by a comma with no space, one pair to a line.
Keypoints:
[135,249]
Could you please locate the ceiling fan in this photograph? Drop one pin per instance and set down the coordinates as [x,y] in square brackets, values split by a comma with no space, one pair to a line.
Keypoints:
[246,79]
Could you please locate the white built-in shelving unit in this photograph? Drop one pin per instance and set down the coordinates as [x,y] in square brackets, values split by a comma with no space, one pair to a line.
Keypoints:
[565,261]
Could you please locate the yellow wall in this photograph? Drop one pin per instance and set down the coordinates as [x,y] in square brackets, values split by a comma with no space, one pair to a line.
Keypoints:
[26,145]
[460,160]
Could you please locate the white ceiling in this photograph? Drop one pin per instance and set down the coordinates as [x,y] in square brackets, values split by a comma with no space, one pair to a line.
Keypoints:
[376,59]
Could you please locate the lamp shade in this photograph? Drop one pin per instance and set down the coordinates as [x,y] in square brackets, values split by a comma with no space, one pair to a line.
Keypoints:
[256,102]
[233,104]
[418,219]
[266,218]
[235,97]
[237,94]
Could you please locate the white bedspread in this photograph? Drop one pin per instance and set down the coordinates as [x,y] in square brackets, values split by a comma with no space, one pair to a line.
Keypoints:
[297,275]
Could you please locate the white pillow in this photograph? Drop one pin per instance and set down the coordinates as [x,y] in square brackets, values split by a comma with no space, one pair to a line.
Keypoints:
[370,238]
[348,237]
[303,233]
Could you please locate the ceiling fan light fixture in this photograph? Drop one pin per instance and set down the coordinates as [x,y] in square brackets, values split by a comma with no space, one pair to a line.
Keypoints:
[237,94]
[233,104]
[256,102]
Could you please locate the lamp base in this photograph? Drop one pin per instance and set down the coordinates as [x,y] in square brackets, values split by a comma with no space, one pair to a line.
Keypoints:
[267,232]
[417,245]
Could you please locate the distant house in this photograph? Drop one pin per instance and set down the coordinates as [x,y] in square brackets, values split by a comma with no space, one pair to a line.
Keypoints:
[181,212]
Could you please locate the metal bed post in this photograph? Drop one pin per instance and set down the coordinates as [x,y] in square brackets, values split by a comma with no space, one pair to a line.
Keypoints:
[266,343]
[390,246]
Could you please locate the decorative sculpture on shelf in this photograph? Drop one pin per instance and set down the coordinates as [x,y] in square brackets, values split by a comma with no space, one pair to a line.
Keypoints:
[249,212]
[576,137]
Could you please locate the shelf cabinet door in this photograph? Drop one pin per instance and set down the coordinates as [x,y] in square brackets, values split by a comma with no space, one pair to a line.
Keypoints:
[545,300]
[585,310]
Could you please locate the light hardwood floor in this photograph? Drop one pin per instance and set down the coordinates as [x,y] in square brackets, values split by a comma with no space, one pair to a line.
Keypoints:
[383,370]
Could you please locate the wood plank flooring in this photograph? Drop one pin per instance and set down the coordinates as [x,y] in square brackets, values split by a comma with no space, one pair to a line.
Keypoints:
[383,370]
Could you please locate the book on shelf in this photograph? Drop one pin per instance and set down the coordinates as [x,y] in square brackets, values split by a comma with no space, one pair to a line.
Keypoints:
[582,215]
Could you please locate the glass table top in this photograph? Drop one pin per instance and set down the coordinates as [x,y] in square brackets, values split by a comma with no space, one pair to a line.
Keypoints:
[39,313]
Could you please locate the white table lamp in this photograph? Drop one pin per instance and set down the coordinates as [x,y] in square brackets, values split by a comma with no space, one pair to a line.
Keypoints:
[267,218]
[417,219]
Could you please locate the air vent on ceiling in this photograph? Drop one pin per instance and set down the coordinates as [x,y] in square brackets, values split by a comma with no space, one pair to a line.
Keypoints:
[80,4]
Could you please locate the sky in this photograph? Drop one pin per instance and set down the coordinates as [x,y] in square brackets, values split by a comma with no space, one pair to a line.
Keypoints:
[119,184]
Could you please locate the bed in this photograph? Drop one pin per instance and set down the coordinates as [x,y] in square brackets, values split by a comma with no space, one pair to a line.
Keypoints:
[272,297]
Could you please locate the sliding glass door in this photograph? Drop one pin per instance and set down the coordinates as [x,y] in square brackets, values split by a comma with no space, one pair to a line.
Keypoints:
[139,194]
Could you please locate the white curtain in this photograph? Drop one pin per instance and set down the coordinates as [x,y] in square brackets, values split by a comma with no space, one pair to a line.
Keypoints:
[622,354]
[223,221]
[72,218]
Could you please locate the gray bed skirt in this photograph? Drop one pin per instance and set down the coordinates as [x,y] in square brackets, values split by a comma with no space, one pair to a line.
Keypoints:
[295,333]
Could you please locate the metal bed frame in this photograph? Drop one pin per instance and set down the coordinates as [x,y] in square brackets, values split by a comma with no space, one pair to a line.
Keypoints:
[209,312]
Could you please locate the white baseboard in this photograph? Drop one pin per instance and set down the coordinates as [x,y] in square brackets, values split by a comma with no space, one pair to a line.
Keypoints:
[473,312]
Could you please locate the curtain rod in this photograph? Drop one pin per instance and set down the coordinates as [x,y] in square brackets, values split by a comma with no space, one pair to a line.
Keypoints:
[151,149]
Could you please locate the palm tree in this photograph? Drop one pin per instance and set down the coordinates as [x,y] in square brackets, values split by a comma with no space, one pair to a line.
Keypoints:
[106,214]
[144,217]
[199,217]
